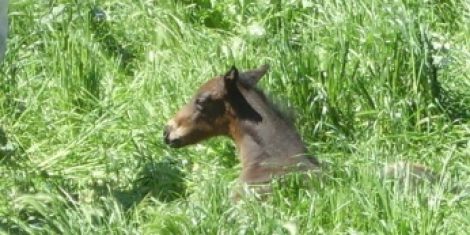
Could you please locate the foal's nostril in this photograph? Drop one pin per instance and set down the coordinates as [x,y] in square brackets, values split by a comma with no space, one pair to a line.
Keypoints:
[175,142]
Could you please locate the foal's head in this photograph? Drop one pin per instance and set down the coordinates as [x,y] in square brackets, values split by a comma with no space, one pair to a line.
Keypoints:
[214,107]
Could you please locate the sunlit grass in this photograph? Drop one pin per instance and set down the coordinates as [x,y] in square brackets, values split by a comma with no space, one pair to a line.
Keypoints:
[86,88]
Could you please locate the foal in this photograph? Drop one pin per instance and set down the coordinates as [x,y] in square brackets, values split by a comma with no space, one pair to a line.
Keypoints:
[232,106]
[268,144]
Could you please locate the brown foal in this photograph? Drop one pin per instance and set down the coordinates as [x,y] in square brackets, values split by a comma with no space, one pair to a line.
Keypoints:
[268,144]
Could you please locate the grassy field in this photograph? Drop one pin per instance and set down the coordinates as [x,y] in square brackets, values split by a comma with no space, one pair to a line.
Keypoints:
[87,86]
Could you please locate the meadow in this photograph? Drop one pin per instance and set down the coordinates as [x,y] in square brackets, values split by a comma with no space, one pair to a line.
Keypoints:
[86,88]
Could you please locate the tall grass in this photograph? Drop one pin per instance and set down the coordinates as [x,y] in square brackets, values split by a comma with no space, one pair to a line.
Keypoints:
[87,86]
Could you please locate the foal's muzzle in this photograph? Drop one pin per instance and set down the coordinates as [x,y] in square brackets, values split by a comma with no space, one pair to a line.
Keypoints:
[174,143]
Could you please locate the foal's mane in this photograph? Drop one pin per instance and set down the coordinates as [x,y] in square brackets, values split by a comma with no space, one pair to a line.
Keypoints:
[281,110]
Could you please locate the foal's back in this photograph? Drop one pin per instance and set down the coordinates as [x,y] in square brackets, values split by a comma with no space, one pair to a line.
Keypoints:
[273,146]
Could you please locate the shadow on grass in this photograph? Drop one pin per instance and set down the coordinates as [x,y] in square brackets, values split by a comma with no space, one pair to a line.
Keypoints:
[112,45]
[455,106]
[162,180]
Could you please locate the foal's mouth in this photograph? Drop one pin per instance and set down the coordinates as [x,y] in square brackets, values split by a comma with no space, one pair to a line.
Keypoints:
[173,143]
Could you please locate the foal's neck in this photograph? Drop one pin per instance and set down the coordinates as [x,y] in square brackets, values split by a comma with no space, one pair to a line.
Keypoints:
[271,147]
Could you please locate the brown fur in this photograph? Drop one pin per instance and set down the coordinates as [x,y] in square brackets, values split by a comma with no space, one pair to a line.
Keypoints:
[268,144]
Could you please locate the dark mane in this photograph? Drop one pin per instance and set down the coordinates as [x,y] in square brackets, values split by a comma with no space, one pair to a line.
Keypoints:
[241,106]
[281,110]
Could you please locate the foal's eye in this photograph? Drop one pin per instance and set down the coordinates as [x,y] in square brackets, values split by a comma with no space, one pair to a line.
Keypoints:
[201,103]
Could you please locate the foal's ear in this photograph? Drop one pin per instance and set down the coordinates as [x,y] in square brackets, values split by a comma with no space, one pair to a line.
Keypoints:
[231,75]
[253,76]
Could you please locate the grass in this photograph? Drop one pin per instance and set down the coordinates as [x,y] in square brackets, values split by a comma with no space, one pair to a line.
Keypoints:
[87,86]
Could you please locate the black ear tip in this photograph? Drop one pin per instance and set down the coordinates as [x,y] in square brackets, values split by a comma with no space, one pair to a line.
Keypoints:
[232,74]
[233,69]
